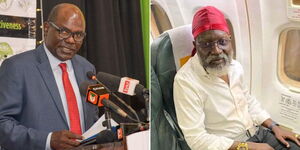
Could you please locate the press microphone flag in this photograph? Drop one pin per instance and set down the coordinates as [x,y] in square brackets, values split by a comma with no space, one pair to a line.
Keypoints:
[127,86]
[96,93]
[115,83]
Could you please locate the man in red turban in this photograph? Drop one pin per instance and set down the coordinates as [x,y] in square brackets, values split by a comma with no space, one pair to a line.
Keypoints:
[213,106]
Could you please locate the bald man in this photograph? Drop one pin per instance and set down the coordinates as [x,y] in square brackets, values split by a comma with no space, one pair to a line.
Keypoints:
[213,106]
[40,104]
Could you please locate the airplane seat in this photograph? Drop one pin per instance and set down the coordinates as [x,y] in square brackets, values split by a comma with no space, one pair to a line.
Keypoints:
[163,135]
[168,53]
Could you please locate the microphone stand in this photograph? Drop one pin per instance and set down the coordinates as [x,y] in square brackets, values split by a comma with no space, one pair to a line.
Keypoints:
[107,114]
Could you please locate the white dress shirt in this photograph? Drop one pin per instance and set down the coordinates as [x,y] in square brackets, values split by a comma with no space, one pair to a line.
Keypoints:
[211,113]
[54,62]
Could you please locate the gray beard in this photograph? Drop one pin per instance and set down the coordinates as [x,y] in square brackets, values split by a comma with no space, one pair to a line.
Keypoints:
[216,70]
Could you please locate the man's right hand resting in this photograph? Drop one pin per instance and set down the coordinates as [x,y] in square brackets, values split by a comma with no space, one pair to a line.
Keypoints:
[64,140]
[259,146]
[252,146]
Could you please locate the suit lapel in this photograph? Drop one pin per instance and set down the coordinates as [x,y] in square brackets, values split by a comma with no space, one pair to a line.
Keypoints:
[47,74]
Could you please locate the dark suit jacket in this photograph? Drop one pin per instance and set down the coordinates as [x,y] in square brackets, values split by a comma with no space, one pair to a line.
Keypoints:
[30,104]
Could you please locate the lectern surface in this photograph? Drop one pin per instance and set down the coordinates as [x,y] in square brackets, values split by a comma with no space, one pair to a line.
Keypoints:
[107,146]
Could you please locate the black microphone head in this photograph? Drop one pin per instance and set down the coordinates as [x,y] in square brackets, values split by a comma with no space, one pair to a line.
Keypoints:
[83,87]
[112,82]
[90,74]
[106,136]
[140,89]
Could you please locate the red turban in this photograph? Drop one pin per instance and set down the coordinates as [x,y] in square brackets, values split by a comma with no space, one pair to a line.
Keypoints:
[208,18]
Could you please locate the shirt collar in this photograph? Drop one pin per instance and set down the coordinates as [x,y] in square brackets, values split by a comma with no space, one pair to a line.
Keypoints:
[54,62]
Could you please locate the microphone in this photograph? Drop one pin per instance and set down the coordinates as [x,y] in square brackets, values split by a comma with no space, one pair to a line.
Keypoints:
[98,95]
[92,76]
[125,85]
[114,107]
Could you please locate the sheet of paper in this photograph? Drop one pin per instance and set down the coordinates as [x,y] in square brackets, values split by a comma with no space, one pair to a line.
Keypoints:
[97,127]
[138,141]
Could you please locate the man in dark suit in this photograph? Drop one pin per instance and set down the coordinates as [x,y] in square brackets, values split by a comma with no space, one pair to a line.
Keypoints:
[40,103]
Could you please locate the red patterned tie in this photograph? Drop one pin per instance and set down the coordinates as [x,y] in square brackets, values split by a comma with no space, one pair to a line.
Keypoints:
[71,101]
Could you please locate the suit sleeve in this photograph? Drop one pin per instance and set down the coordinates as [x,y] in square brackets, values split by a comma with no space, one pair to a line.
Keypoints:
[15,136]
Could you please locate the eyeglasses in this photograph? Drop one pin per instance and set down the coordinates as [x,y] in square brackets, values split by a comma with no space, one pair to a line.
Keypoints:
[65,33]
[222,43]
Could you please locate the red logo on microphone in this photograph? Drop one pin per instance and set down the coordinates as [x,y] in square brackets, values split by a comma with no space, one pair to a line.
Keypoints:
[120,134]
[126,86]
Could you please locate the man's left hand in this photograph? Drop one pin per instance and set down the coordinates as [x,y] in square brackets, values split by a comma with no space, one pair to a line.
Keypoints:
[282,135]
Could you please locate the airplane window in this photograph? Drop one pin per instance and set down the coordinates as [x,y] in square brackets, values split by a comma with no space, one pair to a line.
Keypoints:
[159,20]
[289,54]
[296,2]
